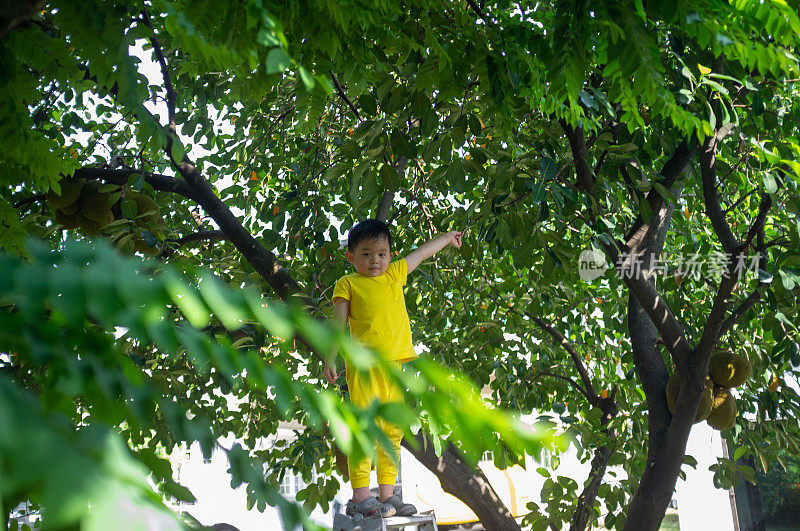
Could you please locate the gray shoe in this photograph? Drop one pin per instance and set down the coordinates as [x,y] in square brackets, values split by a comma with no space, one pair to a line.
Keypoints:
[370,507]
[401,508]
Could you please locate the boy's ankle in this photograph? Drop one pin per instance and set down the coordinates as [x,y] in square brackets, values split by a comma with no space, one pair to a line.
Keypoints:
[360,495]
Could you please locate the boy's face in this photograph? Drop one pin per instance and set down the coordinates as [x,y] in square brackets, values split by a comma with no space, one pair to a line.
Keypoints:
[370,257]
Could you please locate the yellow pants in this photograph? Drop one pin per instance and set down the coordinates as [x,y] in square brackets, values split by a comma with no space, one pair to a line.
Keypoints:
[370,385]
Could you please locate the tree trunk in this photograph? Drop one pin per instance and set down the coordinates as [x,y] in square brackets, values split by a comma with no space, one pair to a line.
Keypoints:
[465,483]
[586,501]
[652,497]
[652,494]
[667,435]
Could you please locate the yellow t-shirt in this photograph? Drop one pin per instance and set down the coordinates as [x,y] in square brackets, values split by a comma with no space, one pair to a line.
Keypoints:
[378,315]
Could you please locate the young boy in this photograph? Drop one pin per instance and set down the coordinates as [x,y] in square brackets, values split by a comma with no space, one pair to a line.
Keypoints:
[371,299]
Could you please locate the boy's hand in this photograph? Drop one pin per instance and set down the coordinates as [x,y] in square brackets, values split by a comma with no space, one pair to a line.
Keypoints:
[330,373]
[432,247]
[455,238]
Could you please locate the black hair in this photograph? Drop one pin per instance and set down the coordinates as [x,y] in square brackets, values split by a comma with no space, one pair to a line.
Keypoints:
[369,229]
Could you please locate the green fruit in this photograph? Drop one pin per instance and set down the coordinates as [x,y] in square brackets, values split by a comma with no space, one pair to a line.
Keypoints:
[68,221]
[728,369]
[723,409]
[94,204]
[706,400]
[674,387]
[89,226]
[92,227]
[71,209]
[70,191]
[147,209]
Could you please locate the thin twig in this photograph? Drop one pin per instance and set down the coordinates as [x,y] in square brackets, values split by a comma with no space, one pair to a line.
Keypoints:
[342,94]
[162,62]
[477,10]
[28,200]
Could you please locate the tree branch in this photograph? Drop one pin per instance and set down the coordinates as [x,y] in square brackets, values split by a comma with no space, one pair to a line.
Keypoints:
[388,196]
[758,224]
[669,173]
[708,172]
[162,62]
[757,231]
[196,187]
[161,183]
[656,307]
[28,200]
[12,14]
[464,482]
[387,199]
[740,310]
[589,392]
[203,235]
[668,326]
[713,326]
[580,155]
[342,94]
[478,11]
[730,244]
[567,379]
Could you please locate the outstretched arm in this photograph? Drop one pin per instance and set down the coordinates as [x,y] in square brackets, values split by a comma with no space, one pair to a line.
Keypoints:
[432,247]
[341,309]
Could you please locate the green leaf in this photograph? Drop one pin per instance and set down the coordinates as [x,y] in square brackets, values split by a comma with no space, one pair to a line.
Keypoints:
[351,149]
[475,125]
[758,105]
[664,192]
[336,171]
[129,208]
[538,191]
[785,320]
[740,452]
[227,310]
[278,61]
[149,238]
[368,104]
[188,300]
[770,184]
[177,151]
[389,177]
[747,473]
[402,145]
[588,100]
[787,280]
[307,78]
[547,168]
[645,211]
[136,181]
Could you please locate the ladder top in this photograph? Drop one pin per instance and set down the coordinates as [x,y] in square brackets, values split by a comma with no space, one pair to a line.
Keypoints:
[425,521]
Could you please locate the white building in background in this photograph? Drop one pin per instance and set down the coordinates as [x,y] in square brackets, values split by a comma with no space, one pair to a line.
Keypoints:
[700,505]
